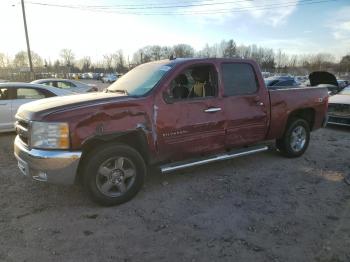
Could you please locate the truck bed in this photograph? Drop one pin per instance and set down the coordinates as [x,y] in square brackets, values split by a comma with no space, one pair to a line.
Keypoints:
[285,100]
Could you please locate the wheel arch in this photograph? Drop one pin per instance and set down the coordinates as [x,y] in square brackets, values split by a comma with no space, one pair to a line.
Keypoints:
[308,114]
[135,139]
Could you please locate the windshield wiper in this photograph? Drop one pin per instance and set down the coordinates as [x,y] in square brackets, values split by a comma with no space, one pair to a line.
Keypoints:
[117,91]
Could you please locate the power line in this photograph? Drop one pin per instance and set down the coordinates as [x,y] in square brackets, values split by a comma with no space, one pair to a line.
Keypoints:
[148,4]
[144,6]
[185,12]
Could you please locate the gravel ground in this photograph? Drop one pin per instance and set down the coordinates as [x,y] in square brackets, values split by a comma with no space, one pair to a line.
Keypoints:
[256,208]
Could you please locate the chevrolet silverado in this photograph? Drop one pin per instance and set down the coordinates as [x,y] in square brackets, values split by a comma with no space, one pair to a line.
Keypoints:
[172,114]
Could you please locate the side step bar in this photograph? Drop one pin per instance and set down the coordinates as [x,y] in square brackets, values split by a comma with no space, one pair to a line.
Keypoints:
[167,168]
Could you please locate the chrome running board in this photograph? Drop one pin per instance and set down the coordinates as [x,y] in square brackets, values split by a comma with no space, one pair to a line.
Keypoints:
[237,153]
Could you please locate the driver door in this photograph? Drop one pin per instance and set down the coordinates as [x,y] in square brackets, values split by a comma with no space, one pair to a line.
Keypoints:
[190,126]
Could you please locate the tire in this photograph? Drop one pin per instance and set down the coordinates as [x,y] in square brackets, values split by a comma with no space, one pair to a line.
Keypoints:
[295,139]
[113,174]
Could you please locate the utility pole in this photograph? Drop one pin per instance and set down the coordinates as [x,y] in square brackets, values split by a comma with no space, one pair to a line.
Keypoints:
[27,39]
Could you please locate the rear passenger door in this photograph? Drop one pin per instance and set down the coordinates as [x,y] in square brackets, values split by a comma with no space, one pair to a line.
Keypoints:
[245,104]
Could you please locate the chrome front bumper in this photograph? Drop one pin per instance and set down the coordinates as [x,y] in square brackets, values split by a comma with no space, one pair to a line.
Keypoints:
[53,166]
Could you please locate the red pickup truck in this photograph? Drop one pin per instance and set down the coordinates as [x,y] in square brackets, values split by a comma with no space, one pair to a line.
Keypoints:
[171,113]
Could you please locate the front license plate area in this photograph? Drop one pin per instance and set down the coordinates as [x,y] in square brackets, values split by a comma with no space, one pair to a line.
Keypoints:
[23,166]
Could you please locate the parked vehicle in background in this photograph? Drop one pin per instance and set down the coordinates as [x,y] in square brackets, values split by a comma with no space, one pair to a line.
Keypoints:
[279,81]
[301,80]
[324,79]
[171,113]
[109,78]
[84,76]
[343,83]
[339,108]
[13,95]
[68,84]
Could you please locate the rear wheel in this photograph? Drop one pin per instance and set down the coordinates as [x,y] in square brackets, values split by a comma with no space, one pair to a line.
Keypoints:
[295,139]
[114,174]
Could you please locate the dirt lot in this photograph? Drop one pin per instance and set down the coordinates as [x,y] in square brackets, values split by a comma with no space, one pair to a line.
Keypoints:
[257,208]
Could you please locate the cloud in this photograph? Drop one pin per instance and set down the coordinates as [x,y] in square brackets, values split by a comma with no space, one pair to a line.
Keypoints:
[271,13]
[340,24]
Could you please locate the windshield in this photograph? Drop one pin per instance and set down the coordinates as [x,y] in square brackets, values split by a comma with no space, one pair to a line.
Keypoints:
[141,79]
[345,91]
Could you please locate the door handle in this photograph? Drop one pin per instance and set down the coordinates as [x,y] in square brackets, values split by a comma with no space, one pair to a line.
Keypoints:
[212,110]
[257,99]
[3,104]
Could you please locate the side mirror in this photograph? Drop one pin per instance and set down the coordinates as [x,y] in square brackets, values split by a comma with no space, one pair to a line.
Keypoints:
[167,97]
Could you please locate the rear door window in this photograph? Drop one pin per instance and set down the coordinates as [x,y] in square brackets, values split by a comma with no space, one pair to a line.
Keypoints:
[29,93]
[239,79]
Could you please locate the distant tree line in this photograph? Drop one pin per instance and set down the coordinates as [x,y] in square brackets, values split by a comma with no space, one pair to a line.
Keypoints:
[268,59]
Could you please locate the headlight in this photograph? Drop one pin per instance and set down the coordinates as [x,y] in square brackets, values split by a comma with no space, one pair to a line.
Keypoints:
[49,135]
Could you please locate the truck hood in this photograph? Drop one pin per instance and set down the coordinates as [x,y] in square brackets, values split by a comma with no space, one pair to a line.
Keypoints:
[50,105]
[322,77]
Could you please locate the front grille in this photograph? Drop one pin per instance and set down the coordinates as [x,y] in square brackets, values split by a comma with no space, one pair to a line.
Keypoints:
[341,110]
[22,130]
[339,121]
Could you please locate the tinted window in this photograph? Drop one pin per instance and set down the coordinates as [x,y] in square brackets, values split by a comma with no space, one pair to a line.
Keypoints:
[4,94]
[29,93]
[239,79]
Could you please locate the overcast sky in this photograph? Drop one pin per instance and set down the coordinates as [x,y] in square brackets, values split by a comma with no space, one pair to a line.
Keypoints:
[295,26]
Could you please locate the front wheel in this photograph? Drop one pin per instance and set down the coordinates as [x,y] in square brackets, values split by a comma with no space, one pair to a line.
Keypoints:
[295,139]
[114,174]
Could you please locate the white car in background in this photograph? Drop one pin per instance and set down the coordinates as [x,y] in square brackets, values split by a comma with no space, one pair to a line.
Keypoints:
[68,84]
[109,78]
[13,95]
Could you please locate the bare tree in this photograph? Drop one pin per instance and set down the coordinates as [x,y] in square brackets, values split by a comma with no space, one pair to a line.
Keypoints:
[166,52]
[85,64]
[108,61]
[293,61]
[21,59]
[4,60]
[183,50]
[344,64]
[229,50]
[121,67]
[67,56]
